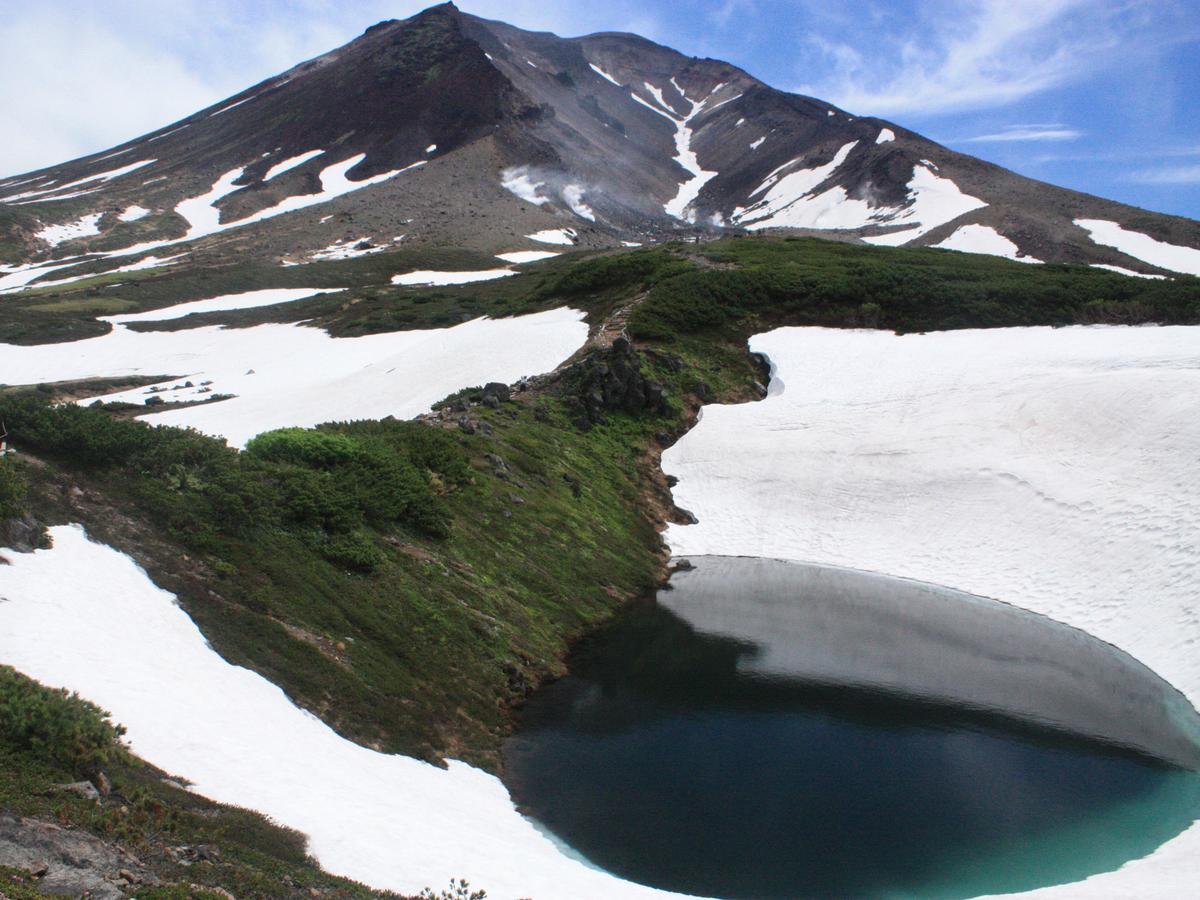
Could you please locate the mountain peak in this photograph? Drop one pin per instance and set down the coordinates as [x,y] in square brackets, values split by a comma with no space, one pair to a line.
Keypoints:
[610,135]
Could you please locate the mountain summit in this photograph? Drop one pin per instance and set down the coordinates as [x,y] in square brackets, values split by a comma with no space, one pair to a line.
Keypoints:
[448,129]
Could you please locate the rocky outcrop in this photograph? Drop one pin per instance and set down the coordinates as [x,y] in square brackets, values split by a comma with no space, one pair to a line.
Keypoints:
[72,863]
[24,535]
[611,380]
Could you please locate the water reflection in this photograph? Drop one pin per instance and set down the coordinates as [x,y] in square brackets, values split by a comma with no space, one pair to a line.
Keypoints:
[773,730]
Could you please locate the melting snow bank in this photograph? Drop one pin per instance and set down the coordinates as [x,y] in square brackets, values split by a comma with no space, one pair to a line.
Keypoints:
[225,303]
[562,236]
[84,227]
[293,375]
[85,617]
[1050,468]
[517,257]
[1123,271]
[430,277]
[984,239]
[1142,246]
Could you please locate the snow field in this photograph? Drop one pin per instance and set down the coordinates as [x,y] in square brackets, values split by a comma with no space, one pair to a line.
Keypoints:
[1049,468]
[293,375]
[85,617]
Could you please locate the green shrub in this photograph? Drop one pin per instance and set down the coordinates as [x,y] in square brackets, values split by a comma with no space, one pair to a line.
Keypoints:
[355,551]
[55,725]
[304,447]
[12,488]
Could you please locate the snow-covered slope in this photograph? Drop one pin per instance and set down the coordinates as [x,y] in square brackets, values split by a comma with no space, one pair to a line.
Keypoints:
[1050,468]
[284,375]
[85,617]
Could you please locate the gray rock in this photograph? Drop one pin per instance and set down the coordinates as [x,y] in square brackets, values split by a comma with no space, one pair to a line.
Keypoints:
[497,390]
[84,789]
[68,862]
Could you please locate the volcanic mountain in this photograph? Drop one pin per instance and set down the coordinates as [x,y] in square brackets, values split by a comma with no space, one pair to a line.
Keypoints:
[450,130]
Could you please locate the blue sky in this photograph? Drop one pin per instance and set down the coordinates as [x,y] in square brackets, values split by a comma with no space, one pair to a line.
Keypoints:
[1098,95]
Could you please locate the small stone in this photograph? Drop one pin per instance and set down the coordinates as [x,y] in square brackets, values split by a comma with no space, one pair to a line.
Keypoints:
[84,789]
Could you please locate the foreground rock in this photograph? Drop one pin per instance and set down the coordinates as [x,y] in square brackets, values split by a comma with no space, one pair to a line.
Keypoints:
[71,863]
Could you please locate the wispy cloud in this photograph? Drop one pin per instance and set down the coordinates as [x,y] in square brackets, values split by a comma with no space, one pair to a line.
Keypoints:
[1027,133]
[1119,155]
[1168,175]
[975,54]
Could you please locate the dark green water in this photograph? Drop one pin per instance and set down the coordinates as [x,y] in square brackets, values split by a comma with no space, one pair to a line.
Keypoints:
[769,730]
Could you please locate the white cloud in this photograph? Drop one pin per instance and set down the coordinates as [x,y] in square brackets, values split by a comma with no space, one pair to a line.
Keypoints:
[1168,175]
[974,54]
[1027,133]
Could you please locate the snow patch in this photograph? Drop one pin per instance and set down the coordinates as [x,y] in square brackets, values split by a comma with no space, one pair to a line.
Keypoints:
[517,257]
[102,177]
[1129,272]
[754,145]
[689,190]
[83,227]
[247,300]
[225,109]
[350,248]
[1045,467]
[431,148]
[204,218]
[289,164]
[885,136]
[599,71]
[932,201]
[788,199]
[562,236]
[984,239]
[1142,246]
[430,277]
[133,213]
